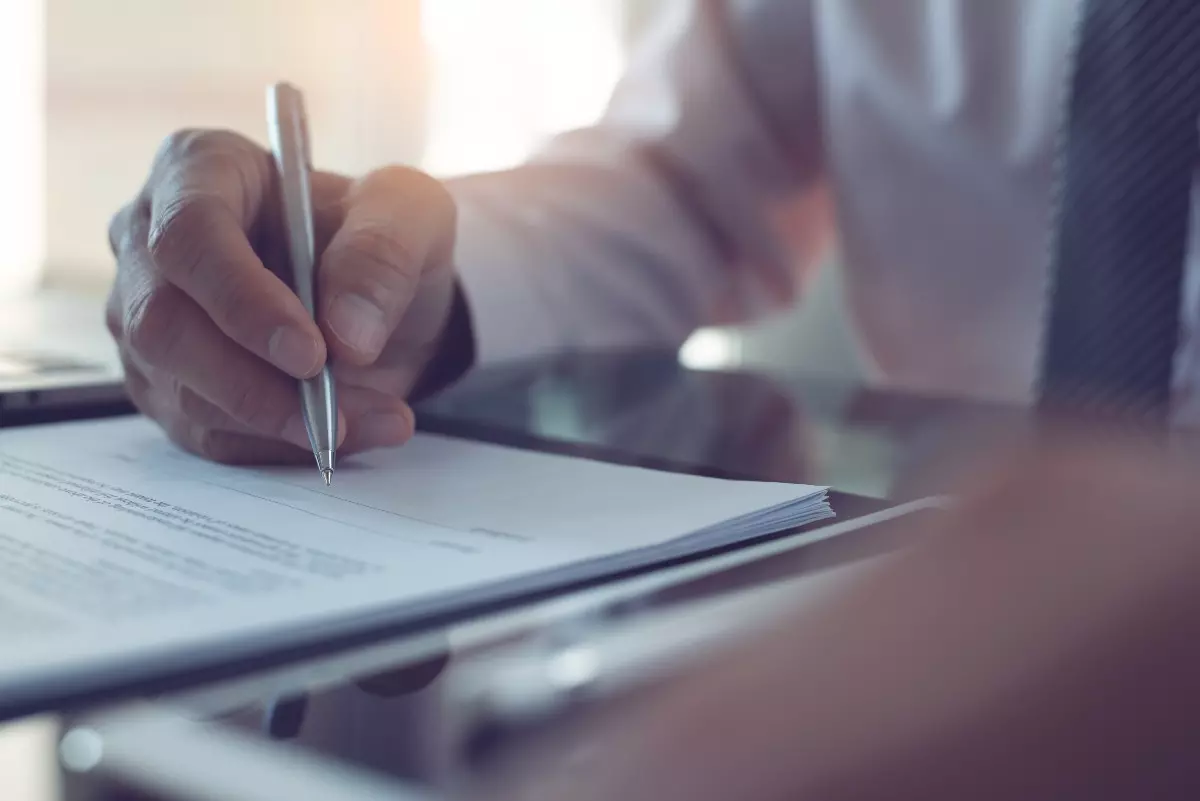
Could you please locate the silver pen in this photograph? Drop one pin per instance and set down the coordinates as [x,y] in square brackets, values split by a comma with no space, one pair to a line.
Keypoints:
[288,130]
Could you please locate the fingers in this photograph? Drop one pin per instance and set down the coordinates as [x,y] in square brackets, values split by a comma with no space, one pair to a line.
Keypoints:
[374,420]
[367,420]
[165,331]
[371,423]
[213,336]
[398,226]
[210,442]
[207,190]
[232,448]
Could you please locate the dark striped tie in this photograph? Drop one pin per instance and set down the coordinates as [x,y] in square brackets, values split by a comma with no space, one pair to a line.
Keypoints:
[1128,156]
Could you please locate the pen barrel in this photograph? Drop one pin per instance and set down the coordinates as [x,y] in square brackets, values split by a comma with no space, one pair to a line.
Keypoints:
[290,145]
[319,402]
[288,128]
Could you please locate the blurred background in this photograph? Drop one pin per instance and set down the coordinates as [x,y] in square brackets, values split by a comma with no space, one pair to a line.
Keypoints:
[89,88]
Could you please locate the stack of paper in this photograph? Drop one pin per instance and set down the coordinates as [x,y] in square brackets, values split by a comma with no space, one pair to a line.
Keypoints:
[120,553]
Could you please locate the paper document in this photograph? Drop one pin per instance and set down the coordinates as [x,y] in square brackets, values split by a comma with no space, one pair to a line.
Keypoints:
[117,550]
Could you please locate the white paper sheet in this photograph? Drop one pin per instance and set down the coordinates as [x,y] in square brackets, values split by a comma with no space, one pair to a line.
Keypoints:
[116,548]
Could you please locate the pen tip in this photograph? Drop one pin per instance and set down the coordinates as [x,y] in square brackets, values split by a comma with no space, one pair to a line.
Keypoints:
[328,476]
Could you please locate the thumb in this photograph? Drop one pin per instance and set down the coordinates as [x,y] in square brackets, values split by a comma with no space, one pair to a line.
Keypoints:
[399,223]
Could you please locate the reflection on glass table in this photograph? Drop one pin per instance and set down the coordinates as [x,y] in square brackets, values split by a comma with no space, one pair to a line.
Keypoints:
[463,698]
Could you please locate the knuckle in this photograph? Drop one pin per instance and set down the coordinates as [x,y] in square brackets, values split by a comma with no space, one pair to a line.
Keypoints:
[190,406]
[179,232]
[151,324]
[246,404]
[189,143]
[174,146]
[409,182]
[191,154]
[243,403]
[398,176]
[179,144]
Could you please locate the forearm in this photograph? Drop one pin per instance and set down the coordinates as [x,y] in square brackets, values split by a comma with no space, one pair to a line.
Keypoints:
[658,219]
[1042,643]
[557,259]
[1029,652]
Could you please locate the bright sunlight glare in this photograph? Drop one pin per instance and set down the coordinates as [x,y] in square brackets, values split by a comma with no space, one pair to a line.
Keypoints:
[507,75]
[22,145]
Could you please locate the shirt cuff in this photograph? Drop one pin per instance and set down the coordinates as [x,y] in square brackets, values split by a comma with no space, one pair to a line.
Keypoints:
[455,353]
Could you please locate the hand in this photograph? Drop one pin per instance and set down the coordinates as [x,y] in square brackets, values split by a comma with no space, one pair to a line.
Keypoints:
[212,339]
[1042,642]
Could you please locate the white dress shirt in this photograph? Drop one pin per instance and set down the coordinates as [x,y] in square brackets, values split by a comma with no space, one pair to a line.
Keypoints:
[745,134]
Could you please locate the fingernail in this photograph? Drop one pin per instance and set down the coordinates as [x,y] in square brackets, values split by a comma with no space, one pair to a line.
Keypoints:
[295,432]
[383,428]
[359,323]
[294,352]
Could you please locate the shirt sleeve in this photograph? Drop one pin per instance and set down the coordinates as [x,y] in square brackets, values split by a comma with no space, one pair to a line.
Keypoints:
[657,220]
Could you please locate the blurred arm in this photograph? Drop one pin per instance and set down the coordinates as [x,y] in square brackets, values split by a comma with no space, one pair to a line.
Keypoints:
[657,220]
[1045,645]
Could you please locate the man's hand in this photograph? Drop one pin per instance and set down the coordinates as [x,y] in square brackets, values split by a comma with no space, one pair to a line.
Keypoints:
[212,339]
